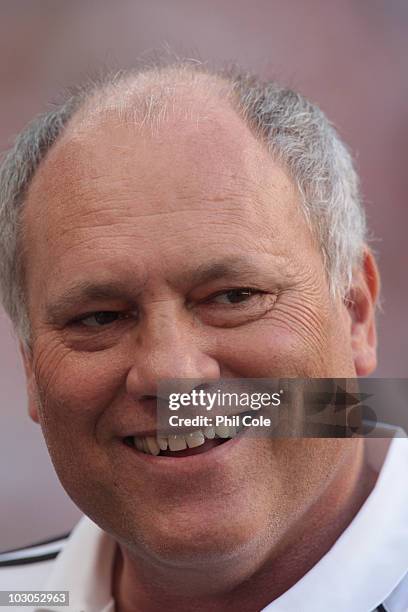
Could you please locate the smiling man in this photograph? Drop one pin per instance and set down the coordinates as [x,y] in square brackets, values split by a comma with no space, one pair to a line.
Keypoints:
[178,224]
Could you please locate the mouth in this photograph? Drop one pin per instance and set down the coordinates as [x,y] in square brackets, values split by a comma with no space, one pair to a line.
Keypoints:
[184,444]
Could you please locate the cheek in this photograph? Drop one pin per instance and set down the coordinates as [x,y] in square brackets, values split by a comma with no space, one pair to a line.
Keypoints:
[75,391]
[75,388]
[267,349]
[303,336]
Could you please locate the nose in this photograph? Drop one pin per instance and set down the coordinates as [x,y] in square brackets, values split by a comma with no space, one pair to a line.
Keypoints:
[169,347]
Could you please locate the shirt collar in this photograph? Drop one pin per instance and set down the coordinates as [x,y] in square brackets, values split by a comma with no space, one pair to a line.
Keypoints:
[84,569]
[370,558]
[358,573]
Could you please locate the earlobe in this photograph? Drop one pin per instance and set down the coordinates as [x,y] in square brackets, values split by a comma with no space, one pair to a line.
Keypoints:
[361,303]
[30,383]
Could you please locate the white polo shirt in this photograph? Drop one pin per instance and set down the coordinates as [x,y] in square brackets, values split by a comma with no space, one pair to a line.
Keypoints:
[366,567]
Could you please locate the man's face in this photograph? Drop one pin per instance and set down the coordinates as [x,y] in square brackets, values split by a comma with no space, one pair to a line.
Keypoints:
[159,233]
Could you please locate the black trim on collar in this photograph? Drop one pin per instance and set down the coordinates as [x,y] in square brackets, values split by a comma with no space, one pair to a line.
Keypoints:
[34,553]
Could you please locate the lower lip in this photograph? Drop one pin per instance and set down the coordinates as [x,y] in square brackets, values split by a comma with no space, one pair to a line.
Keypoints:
[188,463]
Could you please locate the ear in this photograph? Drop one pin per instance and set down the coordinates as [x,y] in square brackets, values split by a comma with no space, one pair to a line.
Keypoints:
[30,383]
[361,301]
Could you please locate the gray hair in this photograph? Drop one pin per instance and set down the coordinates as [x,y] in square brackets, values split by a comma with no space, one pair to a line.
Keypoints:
[296,132]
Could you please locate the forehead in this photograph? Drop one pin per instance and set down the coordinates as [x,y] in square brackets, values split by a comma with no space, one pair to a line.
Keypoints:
[195,133]
[155,182]
[201,144]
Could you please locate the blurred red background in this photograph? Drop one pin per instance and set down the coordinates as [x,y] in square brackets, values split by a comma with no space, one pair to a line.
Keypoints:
[350,57]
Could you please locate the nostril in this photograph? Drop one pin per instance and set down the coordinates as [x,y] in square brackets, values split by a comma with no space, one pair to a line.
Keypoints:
[205,386]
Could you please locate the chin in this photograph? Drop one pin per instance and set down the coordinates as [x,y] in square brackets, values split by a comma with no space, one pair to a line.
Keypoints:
[190,541]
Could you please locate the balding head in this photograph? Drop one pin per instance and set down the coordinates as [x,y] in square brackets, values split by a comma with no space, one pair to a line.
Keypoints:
[294,131]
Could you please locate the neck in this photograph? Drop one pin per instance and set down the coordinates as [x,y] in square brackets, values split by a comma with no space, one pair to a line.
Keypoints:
[246,583]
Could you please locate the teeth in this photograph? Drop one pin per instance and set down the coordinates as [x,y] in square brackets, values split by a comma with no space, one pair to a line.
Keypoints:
[222,431]
[177,443]
[153,446]
[194,439]
[232,431]
[162,442]
[209,433]
[139,443]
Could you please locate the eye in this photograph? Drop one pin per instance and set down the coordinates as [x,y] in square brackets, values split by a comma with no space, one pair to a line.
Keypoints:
[234,296]
[102,318]
[236,306]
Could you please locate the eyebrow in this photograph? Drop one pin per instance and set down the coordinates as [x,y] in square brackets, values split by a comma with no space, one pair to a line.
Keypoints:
[83,291]
[233,267]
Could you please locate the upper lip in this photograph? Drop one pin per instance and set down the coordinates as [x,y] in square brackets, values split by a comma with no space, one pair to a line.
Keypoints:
[140,434]
[161,433]
[179,430]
